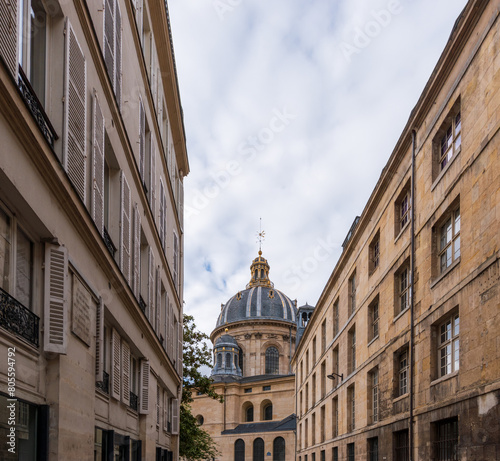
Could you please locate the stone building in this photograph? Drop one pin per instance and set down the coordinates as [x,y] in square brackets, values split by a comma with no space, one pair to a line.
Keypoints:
[401,358]
[92,161]
[254,339]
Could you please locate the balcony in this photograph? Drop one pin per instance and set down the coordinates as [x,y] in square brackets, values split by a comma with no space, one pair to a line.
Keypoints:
[109,243]
[104,384]
[134,401]
[142,304]
[18,319]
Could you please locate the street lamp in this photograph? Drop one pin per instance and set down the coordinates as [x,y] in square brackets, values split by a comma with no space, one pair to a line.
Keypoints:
[336,374]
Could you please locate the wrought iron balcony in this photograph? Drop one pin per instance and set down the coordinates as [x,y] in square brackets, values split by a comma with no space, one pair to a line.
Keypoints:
[109,243]
[142,304]
[104,384]
[36,108]
[18,319]
[134,401]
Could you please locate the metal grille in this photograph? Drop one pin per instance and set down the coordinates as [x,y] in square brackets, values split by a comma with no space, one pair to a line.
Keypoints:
[446,446]
[133,401]
[109,243]
[239,450]
[350,452]
[373,449]
[104,384]
[401,446]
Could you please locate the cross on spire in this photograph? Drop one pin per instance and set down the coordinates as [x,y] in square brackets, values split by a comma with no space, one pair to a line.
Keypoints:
[261,235]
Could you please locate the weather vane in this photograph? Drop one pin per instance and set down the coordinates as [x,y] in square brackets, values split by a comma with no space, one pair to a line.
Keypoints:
[261,235]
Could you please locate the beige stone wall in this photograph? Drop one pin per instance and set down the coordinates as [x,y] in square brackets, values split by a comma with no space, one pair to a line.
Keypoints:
[467,73]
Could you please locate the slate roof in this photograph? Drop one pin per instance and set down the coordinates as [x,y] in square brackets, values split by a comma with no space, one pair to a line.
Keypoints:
[287,424]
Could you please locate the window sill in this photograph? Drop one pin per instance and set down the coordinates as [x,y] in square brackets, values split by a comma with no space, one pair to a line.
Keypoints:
[446,272]
[373,340]
[445,169]
[402,231]
[401,397]
[444,378]
[400,314]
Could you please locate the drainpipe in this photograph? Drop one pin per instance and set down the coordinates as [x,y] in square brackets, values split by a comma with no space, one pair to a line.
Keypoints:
[412,285]
[296,417]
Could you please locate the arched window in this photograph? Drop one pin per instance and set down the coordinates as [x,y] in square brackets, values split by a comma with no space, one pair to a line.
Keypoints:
[228,360]
[239,450]
[272,361]
[240,361]
[200,420]
[249,414]
[268,412]
[279,449]
[258,450]
[219,360]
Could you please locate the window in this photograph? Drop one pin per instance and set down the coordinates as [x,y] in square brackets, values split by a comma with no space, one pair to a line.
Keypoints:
[113,45]
[219,360]
[351,408]
[307,361]
[402,289]
[323,336]
[279,449]
[373,319]
[322,424]
[446,436]
[350,452]
[241,358]
[268,412]
[228,361]
[335,318]
[449,345]
[314,351]
[335,417]
[249,414]
[449,241]
[248,390]
[450,141]
[272,361]
[374,253]
[335,454]
[373,397]
[266,388]
[402,209]
[322,455]
[239,450]
[307,397]
[402,362]
[401,446]
[323,380]
[335,363]
[313,389]
[351,337]
[32,44]
[301,407]
[352,294]
[313,429]
[373,449]
[200,420]
[258,449]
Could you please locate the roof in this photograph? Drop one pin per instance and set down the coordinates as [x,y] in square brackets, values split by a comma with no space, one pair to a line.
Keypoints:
[287,424]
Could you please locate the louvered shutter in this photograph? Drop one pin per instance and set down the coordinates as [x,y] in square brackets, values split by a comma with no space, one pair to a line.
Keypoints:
[115,364]
[118,55]
[144,388]
[137,251]
[75,113]
[8,35]
[181,202]
[171,334]
[99,341]
[138,17]
[152,180]
[55,305]
[176,259]
[162,214]
[98,166]
[165,340]
[175,416]
[142,140]
[151,286]
[125,373]
[109,38]
[158,301]
[165,410]
[125,233]
[153,69]
[179,350]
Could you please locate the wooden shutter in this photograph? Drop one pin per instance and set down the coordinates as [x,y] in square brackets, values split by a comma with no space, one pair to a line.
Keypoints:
[158,301]
[152,179]
[75,113]
[162,214]
[98,166]
[109,41]
[125,373]
[8,35]
[115,364]
[175,416]
[151,286]
[125,243]
[137,251]
[55,305]
[118,55]
[99,341]
[144,388]
[142,140]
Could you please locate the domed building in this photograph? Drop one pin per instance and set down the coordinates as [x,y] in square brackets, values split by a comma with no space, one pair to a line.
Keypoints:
[254,339]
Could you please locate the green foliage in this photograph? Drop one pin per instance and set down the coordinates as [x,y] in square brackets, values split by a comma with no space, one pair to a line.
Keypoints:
[195,443]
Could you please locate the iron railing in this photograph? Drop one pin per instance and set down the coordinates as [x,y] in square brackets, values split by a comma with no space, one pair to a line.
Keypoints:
[142,304]
[104,384]
[134,401]
[18,319]
[109,243]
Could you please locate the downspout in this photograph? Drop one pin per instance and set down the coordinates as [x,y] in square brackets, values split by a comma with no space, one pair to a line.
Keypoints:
[296,416]
[412,286]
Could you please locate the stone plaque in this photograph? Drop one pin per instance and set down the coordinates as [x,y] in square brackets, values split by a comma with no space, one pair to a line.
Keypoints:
[82,302]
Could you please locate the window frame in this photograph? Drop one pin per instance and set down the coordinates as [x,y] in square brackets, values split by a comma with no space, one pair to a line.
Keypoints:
[453,342]
[402,369]
[450,224]
[373,319]
[352,293]
[374,253]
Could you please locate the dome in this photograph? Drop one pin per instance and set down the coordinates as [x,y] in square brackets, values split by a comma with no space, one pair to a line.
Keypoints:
[226,340]
[260,300]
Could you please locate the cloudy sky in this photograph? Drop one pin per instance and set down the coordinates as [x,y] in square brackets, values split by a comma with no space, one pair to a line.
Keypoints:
[291,109]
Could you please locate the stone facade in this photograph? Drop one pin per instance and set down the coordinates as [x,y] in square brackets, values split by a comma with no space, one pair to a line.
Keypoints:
[92,164]
[418,374]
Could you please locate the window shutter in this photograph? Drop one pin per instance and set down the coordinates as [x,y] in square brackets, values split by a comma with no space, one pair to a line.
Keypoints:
[179,350]
[176,259]
[175,416]
[158,301]
[99,341]
[171,334]
[109,34]
[75,113]
[181,203]
[144,389]
[165,411]
[125,228]
[137,251]
[115,364]
[118,55]
[162,214]
[55,306]
[165,340]
[152,180]
[125,373]
[98,167]
[142,140]
[8,35]
[151,287]
[138,17]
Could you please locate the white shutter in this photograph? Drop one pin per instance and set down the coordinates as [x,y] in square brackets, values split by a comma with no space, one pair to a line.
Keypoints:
[118,55]
[142,140]
[137,251]
[75,113]
[115,365]
[179,350]
[99,341]
[158,301]
[151,286]
[109,42]
[175,416]
[165,340]
[138,17]
[152,179]
[98,167]
[176,259]
[125,233]
[181,203]
[165,410]
[144,388]
[162,214]
[153,69]
[8,35]
[125,373]
[55,305]
[171,334]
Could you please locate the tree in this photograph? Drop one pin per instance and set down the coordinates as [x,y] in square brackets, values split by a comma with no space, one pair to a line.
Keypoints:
[195,443]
